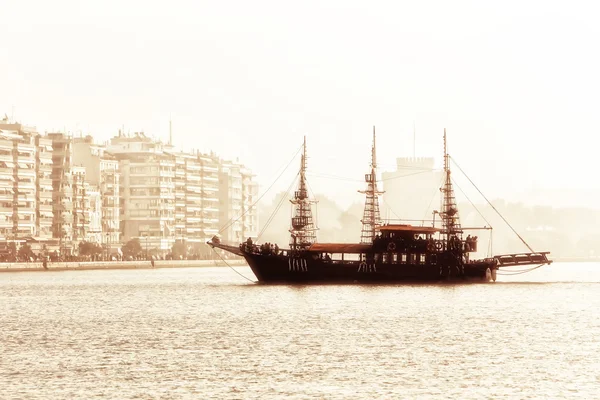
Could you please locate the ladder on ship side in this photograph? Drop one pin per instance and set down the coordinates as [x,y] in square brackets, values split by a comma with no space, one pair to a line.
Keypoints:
[511,260]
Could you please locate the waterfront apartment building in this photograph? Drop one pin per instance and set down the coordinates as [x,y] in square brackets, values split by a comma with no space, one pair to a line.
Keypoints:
[57,190]
[62,190]
[238,193]
[102,175]
[170,196]
[18,208]
[209,185]
[26,210]
[196,199]
[44,210]
[147,191]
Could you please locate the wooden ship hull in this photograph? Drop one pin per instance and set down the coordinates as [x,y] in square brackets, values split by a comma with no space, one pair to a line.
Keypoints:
[282,269]
[312,268]
[317,266]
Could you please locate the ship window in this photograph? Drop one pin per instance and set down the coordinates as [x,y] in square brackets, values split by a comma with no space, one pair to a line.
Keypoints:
[384,259]
[351,257]
[337,256]
[403,258]
[422,258]
[413,258]
[433,259]
[395,258]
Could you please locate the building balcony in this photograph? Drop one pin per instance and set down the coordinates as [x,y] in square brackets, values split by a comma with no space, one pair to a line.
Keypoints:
[210,168]
[45,207]
[24,172]
[210,188]
[25,187]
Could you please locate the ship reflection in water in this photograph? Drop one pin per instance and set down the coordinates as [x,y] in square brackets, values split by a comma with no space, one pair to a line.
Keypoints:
[206,333]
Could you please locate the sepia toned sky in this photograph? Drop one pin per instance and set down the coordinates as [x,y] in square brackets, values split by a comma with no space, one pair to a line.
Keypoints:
[515,83]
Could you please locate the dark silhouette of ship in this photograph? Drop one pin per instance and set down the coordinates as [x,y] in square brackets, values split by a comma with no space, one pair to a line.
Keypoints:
[386,253]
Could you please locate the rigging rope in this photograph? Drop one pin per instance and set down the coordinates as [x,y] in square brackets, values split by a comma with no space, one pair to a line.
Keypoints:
[343,178]
[473,204]
[234,270]
[316,220]
[390,208]
[407,175]
[281,201]
[233,221]
[480,214]
[434,196]
[494,208]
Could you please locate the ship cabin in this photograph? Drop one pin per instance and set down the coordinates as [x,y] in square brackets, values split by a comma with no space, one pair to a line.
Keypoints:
[395,244]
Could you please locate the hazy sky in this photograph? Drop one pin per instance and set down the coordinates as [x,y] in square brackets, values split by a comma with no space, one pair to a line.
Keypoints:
[516,84]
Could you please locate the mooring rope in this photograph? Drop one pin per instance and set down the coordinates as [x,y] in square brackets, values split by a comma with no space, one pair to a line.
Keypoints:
[519,272]
[234,270]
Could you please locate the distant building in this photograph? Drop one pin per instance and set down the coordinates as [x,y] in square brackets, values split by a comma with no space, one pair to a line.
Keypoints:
[209,184]
[57,191]
[18,208]
[93,215]
[102,175]
[147,191]
[196,200]
[26,191]
[45,214]
[238,192]
[166,196]
[412,191]
[62,191]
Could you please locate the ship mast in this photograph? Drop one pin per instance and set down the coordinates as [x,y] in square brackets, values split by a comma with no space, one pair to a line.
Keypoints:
[450,219]
[371,220]
[303,230]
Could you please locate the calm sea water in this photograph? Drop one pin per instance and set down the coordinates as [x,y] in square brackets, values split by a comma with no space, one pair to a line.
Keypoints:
[203,333]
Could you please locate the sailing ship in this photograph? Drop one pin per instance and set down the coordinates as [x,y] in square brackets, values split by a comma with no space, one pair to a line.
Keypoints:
[387,252]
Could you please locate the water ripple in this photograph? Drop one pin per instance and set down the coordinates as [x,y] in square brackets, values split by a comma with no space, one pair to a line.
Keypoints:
[202,333]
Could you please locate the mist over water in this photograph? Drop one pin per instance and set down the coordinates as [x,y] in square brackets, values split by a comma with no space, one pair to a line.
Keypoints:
[208,333]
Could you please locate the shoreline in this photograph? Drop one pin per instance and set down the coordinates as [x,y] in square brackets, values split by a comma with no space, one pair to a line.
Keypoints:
[98,265]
